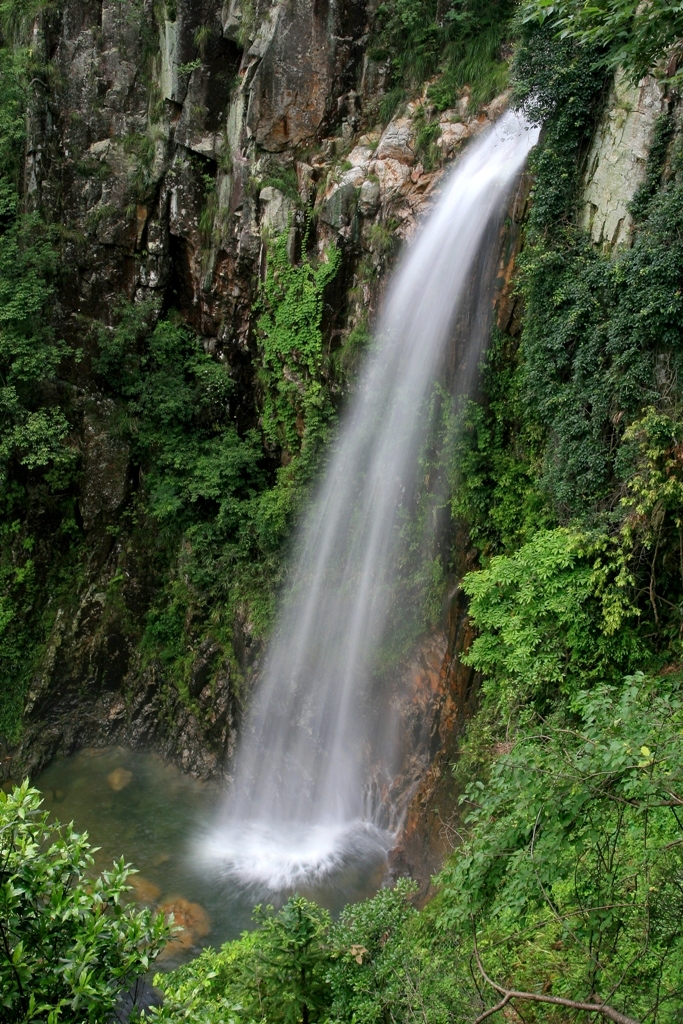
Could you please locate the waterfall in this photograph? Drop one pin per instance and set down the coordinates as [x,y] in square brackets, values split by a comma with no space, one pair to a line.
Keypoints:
[299,808]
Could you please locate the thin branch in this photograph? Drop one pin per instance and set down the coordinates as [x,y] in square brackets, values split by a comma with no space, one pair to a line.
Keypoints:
[597,1006]
[494,1009]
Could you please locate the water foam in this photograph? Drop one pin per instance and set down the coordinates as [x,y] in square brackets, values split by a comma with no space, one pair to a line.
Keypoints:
[269,859]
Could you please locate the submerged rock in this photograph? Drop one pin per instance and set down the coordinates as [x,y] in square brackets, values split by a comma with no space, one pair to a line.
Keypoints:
[144,891]
[119,779]
[191,921]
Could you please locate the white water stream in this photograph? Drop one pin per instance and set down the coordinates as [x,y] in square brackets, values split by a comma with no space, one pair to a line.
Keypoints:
[299,808]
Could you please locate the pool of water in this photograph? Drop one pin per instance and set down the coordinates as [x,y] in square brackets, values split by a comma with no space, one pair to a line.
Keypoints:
[133,804]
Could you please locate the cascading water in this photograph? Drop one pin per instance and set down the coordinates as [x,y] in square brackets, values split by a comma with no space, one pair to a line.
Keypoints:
[298,808]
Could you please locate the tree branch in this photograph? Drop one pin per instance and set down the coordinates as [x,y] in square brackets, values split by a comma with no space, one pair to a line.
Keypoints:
[494,1009]
[596,1006]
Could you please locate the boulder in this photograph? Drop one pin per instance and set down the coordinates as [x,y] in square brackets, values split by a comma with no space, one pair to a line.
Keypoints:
[144,891]
[191,922]
[397,142]
[369,197]
[339,206]
[393,176]
[451,137]
[119,779]
[360,156]
[276,210]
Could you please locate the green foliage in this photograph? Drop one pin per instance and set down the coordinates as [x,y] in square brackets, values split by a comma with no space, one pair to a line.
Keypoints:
[68,943]
[37,455]
[569,873]
[32,431]
[222,510]
[286,975]
[425,140]
[193,65]
[17,16]
[277,973]
[408,35]
[494,466]
[551,616]
[296,405]
[646,191]
[207,487]
[570,483]
[580,422]
[141,149]
[461,41]
[599,333]
[626,33]
[284,179]
[368,974]
[476,32]
[571,868]
[557,84]
[18,593]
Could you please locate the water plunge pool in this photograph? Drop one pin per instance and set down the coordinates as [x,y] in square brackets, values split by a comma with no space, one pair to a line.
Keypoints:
[133,804]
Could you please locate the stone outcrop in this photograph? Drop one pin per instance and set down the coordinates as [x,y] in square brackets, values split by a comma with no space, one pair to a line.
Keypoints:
[441,696]
[306,52]
[617,159]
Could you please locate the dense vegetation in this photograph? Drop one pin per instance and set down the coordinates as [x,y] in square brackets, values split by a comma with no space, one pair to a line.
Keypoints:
[567,887]
[564,897]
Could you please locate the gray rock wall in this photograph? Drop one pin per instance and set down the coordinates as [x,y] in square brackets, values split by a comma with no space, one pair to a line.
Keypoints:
[618,158]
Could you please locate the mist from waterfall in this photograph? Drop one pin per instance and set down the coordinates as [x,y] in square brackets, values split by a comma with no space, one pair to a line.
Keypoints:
[300,806]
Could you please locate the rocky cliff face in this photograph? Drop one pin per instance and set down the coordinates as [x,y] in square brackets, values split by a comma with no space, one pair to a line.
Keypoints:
[171,143]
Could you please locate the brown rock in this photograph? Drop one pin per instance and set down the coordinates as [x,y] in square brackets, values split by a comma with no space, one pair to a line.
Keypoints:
[119,779]
[392,176]
[191,916]
[191,920]
[451,137]
[396,142]
[144,891]
[302,55]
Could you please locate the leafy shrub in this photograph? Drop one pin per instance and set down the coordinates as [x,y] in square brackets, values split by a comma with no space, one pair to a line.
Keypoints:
[278,972]
[68,943]
[296,406]
[552,614]
[625,33]
[37,456]
[460,41]
[571,869]
[369,961]
[567,885]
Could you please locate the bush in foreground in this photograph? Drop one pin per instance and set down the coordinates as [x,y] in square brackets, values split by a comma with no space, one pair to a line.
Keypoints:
[68,944]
